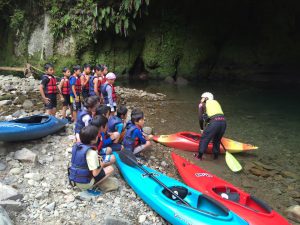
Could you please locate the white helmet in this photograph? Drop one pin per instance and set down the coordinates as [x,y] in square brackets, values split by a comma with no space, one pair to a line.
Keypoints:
[110,76]
[207,95]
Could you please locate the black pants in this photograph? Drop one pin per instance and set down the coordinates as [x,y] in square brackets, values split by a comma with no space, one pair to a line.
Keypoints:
[214,131]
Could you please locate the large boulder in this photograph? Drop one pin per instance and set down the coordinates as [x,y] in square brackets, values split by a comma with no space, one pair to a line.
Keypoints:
[9,193]
[25,155]
[27,104]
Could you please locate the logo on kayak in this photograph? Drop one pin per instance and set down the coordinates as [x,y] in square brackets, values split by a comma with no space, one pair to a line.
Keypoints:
[203,175]
[147,175]
[182,219]
[12,125]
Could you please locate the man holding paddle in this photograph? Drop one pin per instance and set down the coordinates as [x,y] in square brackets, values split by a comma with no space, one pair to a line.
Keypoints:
[211,115]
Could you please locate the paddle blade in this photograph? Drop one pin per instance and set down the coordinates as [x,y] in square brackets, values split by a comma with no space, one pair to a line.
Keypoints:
[128,157]
[232,162]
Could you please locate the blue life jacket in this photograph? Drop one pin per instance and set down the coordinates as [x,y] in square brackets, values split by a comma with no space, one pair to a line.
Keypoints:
[79,171]
[112,122]
[104,93]
[128,140]
[79,123]
[91,86]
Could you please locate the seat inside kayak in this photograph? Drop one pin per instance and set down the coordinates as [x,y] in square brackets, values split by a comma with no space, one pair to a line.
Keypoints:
[182,192]
[209,204]
[227,193]
[191,136]
[32,119]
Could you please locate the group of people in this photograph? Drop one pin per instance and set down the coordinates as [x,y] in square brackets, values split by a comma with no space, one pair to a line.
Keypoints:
[101,127]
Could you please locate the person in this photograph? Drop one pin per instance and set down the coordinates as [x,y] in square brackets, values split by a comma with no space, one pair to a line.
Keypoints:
[95,82]
[87,169]
[109,93]
[85,115]
[64,89]
[211,113]
[102,143]
[134,139]
[48,89]
[116,123]
[84,79]
[75,90]
[103,110]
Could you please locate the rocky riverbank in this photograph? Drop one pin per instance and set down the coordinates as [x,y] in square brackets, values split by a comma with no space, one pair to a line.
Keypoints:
[33,174]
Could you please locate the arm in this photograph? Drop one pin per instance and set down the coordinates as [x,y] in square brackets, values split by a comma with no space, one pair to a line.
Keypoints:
[60,88]
[106,141]
[41,88]
[96,87]
[109,96]
[200,116]
[137,133]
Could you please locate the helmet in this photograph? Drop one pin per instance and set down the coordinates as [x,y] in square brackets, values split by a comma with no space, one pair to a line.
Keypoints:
[110,76]
[207,95]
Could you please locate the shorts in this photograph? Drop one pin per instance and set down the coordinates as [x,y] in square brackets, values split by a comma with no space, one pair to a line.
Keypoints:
[106,158]
[85,93]
[100,176]
[75,105]
[67,101]
[53,101]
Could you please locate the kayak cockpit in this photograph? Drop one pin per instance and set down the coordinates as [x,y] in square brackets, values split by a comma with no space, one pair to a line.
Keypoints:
[32,119]
[191,136]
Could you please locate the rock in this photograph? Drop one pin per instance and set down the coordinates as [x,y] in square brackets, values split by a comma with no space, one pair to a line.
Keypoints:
[9,193]
[109,220]
[5,102]
[19,113]
[69,198]
[50,207]
[27,104]
[110,184]
[163,164]
[8,118]
[169,80]
[25,155]
[15,171]
[147,130]
[33,176]
[289,174]
[117,200]
[11,205]
[4,218]
[293,212]
[3,166]
[181,81]
[247,184]
[258,172]
[142,218]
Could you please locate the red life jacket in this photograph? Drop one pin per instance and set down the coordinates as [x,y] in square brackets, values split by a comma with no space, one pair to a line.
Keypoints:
[114,95]
[78,88]
[66,86]
[86,86]
[51,87]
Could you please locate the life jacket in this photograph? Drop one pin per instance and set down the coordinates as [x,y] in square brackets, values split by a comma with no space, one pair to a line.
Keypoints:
[79,123]
[213,108]
[128,141]
[66,86]
[112,122]
[99,142]
[51,87]
[79,171]
[78,88]
[105,94]
[86,86]
[91,88]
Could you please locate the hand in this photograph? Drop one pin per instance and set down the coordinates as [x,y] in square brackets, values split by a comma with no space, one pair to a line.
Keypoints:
[62,99]
[150,137]
[46,100]
[77,98]
[201,131]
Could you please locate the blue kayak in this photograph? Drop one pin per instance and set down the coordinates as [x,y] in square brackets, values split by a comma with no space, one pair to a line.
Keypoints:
[203,211]
[29,128]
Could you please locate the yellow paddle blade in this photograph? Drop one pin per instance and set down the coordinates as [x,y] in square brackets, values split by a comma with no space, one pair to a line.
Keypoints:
[232,162]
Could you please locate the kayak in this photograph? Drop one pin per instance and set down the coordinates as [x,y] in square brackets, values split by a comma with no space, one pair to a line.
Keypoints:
[206,210]
[250,208]
[29,128]
[189,141]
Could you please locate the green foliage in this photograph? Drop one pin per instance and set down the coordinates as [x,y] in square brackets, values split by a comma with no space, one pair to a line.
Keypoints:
[16,20]
[86,18]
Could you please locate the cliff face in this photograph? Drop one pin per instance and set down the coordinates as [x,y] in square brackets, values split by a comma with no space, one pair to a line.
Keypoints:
[194,39]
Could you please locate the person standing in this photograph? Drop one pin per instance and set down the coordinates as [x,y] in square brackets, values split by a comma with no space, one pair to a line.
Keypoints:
[212,124]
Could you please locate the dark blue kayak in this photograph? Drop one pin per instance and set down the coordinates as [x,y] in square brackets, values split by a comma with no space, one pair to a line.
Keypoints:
[29,128]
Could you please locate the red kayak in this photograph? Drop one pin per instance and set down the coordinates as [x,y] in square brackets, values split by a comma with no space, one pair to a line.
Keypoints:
[253,210]
[189,141]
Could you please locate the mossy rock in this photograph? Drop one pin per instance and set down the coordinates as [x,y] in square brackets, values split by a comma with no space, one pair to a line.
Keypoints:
[6,97]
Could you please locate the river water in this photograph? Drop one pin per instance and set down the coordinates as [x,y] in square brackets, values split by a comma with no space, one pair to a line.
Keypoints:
[259,114]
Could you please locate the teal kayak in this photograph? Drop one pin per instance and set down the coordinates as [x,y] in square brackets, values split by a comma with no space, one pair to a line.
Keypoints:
[202,210]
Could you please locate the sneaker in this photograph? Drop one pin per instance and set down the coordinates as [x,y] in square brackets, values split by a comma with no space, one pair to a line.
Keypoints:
[198,156]
[216,155]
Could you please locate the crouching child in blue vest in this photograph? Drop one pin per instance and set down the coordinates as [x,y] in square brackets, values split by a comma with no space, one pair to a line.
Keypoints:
[87,168]
[103,150]
[134,139]
[85,115]
[116,123]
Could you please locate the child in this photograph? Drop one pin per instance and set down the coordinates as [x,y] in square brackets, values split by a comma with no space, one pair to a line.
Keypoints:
[104,152]
[116,123]
[84,116]
[109,93]
[48,89]
[103,110]
[87,169]
[75,90]
[64,89]
[84,79]
[134,140]
[96,82]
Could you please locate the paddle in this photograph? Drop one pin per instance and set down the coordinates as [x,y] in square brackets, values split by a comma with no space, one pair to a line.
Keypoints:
[231,161]
[129,158]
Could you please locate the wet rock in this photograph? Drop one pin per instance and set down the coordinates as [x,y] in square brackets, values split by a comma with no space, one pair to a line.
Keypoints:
[11,205]
[293,213]
[50,207]
[142,218]
[4,218]
[9,193]
[25,155]
[109,220]
[5,102]
[15,171]
[3,166]
[27,104]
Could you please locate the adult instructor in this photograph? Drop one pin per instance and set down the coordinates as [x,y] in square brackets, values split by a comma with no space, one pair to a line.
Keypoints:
[212,124]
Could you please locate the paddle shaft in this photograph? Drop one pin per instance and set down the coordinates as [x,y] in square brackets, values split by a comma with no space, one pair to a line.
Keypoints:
[168,189]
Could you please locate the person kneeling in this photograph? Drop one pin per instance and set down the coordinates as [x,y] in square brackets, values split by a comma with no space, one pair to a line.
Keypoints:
[87,169]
